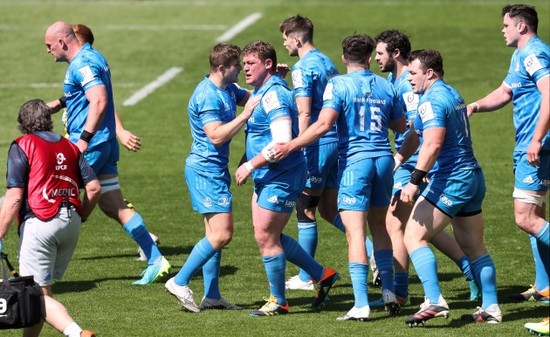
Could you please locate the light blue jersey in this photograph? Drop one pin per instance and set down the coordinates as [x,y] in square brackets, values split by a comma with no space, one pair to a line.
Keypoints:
[529,64]
[309,79]
[366,103]
[209,104]
[276,102]
[409,100]
[87,70]
[442,106]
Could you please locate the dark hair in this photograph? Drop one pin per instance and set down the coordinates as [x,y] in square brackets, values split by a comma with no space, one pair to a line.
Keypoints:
[429,59]
[83,33]
[524,13]
[357,48]
[34,116]
[298,24]
[224,54]
[395,39]
[263,50]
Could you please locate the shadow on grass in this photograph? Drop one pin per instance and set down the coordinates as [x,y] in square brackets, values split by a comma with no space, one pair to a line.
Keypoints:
[165,250]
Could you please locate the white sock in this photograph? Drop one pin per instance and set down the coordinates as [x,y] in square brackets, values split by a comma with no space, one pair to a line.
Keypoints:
[72,330]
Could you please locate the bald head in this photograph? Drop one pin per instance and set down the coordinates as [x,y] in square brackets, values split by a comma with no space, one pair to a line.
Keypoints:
[61,41]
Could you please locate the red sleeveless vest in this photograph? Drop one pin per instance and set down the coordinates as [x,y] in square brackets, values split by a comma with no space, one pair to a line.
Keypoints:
[54,175]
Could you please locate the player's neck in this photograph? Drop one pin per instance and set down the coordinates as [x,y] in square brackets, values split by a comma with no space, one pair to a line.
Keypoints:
[399,69]
[306,48]
[524,39]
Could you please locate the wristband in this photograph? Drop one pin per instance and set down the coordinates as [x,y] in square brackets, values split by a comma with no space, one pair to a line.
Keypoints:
[86,136]
[249,167]
[417,176]
[475,106]
[63,101]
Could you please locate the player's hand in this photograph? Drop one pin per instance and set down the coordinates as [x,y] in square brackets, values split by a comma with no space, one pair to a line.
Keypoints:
[469,110]
[242,174]
[533,153]
[129,140]
[280,151]
[283,69]
[251,105]
[408,193]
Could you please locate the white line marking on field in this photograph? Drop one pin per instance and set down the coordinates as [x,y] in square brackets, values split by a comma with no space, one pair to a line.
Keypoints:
[149,88]
[239,27]
[53,85]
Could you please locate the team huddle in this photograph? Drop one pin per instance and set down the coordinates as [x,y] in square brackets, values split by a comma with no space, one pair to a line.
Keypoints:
[322,143]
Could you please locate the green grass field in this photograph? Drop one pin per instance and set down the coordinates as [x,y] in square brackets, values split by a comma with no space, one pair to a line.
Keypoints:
[143,39]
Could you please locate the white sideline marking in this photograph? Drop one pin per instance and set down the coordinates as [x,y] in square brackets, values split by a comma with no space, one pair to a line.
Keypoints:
[149,88]
[239,27]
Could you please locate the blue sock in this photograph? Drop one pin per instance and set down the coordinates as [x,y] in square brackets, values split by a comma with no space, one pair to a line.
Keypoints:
[541,275]
[308,238]
[425,265]
[211,276]
[135,227]
[465,266]
[337,222]
[485,273]
[359,273]
[542,267]
[275,269]
[295,254]
[201,253]
[401,282]
[370,247]
[384,261]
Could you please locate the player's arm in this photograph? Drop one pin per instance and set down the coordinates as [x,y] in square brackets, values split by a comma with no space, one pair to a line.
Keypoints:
[243,101]
[92,187]
[430,148]
[543,124]
[281,132]
[326,120]
[427,155]
[407,149]
[497,99]
[10,208]
[304,112]
[98,100]
[126,138]
[398,125]
[219,133]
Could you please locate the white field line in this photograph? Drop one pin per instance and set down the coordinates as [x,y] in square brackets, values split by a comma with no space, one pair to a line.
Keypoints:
[239,27]
[149,88]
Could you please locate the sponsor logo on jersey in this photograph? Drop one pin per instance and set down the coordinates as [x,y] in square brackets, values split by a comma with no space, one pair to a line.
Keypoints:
[273,199]
[223,201]
[315,179]
[426,112]
[297,79]
[87,75]
[411,100]
[290,204]
[60,158]
[207,202]
[270,101]
[445,200]
[528,180]
[532,64]
[349,200]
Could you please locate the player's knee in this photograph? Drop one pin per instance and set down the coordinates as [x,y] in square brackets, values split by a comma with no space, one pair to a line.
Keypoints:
[305,208]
